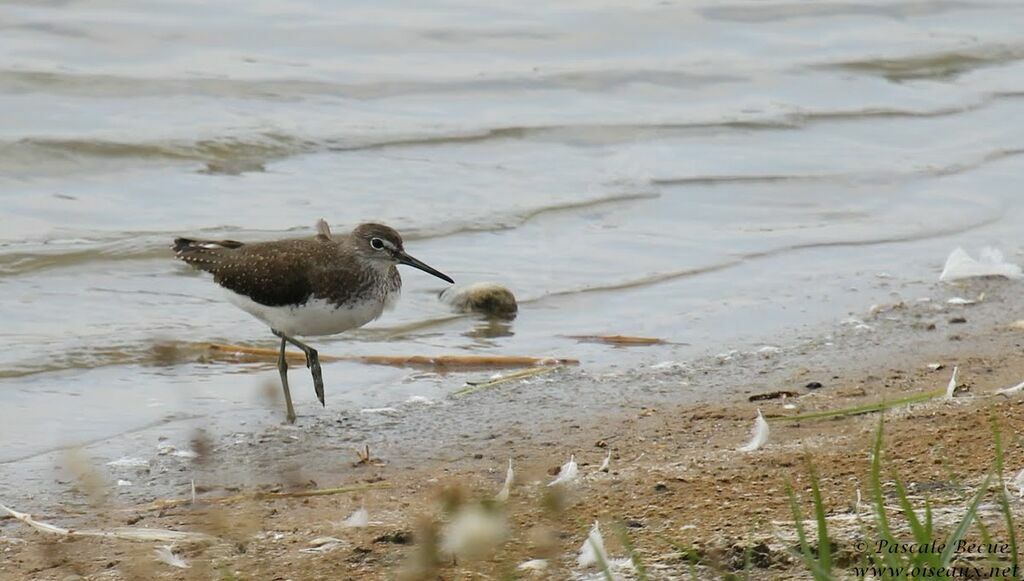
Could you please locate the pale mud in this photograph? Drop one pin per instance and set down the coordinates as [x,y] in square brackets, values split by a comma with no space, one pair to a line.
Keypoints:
[675,478]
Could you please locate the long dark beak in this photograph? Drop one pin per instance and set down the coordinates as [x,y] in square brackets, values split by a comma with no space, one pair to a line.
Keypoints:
[404,258]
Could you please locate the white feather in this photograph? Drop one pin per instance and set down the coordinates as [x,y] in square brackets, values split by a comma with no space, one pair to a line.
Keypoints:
[164,555]
[960,301]
[506,489]
[593,547]
[321,545]
[39,526]
[357,519]
[127,533]
[533,565]
[1012,390]
[323,228]
[951,388]
[604,463]
[321,541]
[990,262]
[759,436]
[568,473]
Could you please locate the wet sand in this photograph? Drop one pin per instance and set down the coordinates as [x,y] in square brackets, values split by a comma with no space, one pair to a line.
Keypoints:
[674,476]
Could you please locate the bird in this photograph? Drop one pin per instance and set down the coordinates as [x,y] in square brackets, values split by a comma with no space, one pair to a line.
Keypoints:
[308,286]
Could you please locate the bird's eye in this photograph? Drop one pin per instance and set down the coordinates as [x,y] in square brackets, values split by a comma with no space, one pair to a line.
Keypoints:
[377,243]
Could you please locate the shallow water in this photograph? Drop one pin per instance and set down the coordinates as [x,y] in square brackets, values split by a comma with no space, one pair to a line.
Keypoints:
[718,175]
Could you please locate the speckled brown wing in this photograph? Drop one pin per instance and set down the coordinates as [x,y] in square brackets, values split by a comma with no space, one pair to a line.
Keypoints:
[270,273]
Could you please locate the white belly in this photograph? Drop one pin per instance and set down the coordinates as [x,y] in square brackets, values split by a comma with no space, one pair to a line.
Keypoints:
[315,317]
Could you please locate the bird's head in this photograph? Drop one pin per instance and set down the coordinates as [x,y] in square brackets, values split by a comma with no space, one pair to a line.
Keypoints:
[383,245]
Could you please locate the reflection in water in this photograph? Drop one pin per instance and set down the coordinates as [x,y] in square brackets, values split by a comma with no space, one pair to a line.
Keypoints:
[490,328]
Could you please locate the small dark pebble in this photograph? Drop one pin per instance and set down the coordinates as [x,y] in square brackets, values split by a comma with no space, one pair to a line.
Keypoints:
[634,524]
[660,487]
[814,385]
[478,456]
[395,538]
[957,321]
[133,519]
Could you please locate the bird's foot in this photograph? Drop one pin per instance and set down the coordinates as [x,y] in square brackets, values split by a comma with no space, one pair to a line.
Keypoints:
[318,380]
[318,386]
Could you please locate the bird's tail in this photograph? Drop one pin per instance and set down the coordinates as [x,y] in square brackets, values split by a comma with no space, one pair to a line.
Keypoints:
[203,254]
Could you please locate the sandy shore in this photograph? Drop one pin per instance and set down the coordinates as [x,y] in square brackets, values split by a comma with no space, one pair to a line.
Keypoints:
[675,482]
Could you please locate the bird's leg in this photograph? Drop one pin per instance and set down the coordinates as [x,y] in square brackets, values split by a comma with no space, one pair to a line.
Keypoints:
[282,366]
[313,363]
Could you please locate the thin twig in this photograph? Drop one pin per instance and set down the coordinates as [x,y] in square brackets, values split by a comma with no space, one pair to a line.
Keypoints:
[859,410]
[532,372]
[431,361]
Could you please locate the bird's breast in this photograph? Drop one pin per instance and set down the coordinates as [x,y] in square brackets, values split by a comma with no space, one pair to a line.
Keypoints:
[316,316]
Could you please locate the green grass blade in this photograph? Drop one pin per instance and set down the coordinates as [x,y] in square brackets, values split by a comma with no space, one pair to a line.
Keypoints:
[824,544]
[961,529]
[878,497]
[600,560]
[1004,502]
[917,529]
[638,565]
[812,564]
[691,555]
[929,528]
[860,410]
[876,486]
[986,538]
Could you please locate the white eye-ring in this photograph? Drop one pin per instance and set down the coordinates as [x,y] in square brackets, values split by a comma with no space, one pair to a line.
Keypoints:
[377,243]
